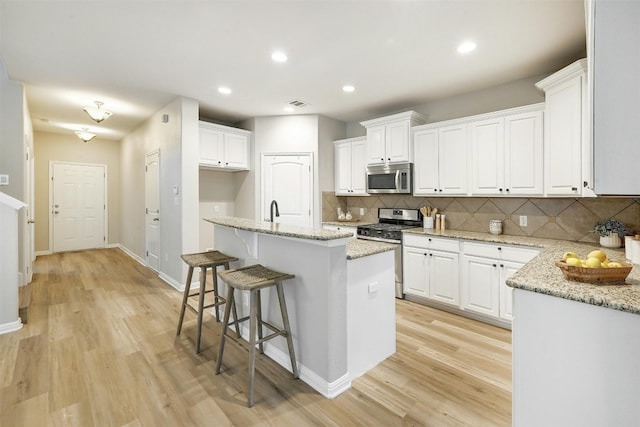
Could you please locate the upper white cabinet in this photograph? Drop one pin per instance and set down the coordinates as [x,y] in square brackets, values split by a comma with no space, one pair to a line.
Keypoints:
[567,150]
[506,153]
[350,167]
[613,47]
[440,160]
[223,147]
[389,138]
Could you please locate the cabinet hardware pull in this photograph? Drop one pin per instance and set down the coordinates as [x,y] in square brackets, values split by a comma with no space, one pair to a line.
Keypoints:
[500,189]
[499,248]
[501,265]
[574,188]
[507,190]
[494,265]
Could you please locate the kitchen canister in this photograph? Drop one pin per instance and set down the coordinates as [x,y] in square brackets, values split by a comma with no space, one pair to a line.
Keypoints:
[628,248]
[428,222]
[635,250]
[495,226]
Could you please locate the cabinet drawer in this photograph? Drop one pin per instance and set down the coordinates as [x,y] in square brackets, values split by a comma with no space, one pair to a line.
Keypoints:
[430,242]
[502,252]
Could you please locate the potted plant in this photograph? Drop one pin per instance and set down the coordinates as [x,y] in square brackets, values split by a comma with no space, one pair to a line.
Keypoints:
[611,232]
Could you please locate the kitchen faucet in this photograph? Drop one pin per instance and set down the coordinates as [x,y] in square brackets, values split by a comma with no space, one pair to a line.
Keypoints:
[274,203]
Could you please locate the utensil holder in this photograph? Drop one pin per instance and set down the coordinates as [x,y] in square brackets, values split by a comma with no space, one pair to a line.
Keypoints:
[427,222]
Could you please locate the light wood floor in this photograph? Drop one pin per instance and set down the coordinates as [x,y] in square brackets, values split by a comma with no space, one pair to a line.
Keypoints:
[100,350]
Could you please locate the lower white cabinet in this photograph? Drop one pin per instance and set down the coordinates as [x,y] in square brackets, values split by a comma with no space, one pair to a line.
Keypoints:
[485,270]
[468,276]
[431,269]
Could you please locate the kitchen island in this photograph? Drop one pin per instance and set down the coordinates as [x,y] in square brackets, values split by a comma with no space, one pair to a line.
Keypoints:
[576,346]
[341,302]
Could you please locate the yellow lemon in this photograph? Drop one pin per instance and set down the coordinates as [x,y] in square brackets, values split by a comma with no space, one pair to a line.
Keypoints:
[593,262]
[597,254]
[614,264]
[568,255]
[604,263]
[574,261]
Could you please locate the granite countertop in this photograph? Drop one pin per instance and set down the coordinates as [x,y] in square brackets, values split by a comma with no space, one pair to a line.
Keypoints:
[541,275]
[279,229]
[347,223]
[357,248]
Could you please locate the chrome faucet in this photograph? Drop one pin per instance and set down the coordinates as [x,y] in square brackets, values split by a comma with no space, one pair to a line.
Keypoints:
[273,203]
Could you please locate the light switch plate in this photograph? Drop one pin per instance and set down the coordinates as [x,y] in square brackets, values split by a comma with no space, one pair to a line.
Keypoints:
[523,220]
[4,179]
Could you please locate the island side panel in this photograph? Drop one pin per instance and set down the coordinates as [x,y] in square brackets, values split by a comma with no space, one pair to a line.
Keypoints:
[574,364]
[371,311]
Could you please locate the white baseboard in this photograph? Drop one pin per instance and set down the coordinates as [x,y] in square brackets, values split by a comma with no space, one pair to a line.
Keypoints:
[172,282]
[42,253]
[131,254]
[5,328]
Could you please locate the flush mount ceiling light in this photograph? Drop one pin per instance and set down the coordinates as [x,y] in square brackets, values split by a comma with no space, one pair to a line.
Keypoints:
[279,56]
[348,88]
[224,90]
[96,113]
[85,135]
[466,46]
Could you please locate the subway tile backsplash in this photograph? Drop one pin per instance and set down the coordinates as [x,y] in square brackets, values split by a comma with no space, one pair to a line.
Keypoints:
[554,218]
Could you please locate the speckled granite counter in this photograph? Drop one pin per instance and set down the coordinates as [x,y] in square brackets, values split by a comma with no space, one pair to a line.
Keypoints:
[346,223]
[542,276]
[357,248]
[279,229]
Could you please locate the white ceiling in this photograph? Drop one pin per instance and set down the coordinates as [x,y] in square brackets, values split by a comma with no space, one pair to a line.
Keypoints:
[136,56]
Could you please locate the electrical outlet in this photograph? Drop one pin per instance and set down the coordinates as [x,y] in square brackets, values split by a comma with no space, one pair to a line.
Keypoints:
[361,211]
[4,179]
[245,299]
[216,208]
[523,220]
[373,287]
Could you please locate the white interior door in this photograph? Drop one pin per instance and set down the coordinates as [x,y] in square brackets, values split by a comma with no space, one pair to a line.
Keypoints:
[78,207]
[29,239]
[286,178]
[152,209]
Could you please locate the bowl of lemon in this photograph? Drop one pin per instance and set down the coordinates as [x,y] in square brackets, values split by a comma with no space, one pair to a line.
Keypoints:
[595,268]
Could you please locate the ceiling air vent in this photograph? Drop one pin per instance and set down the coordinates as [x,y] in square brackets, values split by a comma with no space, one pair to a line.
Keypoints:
[297,103]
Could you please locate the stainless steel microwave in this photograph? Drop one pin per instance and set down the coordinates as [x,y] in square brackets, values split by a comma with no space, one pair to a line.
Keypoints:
[395,178]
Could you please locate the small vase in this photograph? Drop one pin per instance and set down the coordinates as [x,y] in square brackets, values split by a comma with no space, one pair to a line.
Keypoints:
[610,241]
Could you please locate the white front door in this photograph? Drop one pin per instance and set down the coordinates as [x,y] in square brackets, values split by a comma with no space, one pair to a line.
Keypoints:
[286,178]
[78,208]
[152,209]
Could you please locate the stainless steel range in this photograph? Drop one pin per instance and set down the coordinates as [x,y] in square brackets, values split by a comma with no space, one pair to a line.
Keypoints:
[389,228]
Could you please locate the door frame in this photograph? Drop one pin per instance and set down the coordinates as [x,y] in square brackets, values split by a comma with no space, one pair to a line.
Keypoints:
[308,154]
[146,236]
[106,198]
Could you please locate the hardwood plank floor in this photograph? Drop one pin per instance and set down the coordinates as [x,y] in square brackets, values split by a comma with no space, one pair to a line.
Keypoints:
[100,350]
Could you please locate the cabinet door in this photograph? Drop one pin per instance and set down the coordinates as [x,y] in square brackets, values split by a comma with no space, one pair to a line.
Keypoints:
[443,277]
[452,161]
[523,154]
[425,169]
[211,147]
[376,145]
[507,269]
[343,169]
[358,168]
[414,264]
[397,144]
[480,291]
[487,148]
[563,138]
[236,151]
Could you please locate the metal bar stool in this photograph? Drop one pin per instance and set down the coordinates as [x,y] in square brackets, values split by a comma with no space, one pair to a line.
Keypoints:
[254,278]
[204,260]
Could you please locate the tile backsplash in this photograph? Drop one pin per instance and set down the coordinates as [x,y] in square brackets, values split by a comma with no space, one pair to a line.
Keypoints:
[554,218]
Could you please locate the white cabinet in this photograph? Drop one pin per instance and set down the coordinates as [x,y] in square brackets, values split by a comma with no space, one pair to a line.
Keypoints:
[614,34]
[440,160]
[485,269]
[506,153]
[389,138]
[567,150]
[352,230]
[223,147]
[350,167]
[431,268]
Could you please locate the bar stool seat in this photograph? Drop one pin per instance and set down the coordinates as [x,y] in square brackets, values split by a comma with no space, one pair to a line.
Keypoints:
[204,260]
[254,278]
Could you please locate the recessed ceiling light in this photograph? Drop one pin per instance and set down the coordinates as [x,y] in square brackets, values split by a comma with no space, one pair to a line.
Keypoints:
[466,47]
[279,56]
[289,109]
[224,90]
[348,88]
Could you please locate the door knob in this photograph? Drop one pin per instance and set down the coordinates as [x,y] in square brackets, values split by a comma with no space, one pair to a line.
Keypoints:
[56,212]
[156,219]
[56,206]
[31,221]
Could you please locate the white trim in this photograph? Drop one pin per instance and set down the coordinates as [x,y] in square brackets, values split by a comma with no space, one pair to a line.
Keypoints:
[42,253]
[5,328]
[131,254]
[170,281]
[105,201]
